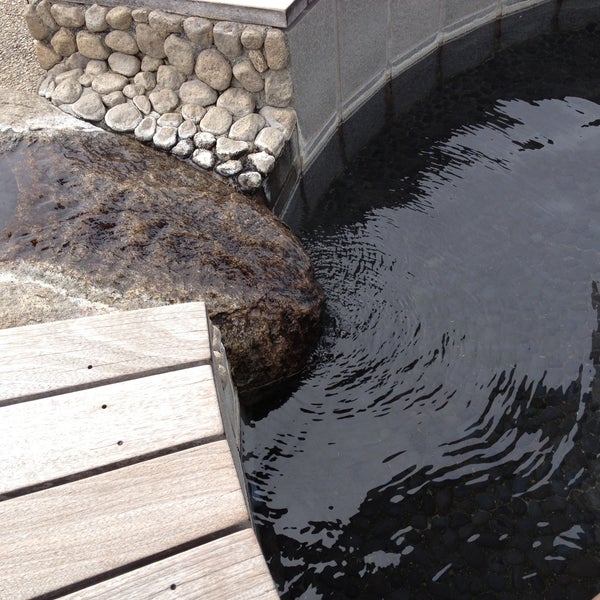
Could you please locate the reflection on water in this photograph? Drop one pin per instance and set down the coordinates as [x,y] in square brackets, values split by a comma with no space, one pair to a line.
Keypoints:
[443,442]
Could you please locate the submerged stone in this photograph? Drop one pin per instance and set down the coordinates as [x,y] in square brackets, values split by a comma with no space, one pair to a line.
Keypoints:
[146,225]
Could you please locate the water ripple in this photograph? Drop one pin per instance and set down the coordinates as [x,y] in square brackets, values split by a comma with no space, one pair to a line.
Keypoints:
[446,431]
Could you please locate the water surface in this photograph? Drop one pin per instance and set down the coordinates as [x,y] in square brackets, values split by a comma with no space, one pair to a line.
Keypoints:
[444,440]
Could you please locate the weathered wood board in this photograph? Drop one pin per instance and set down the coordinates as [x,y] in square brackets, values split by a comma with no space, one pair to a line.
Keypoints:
[68,533]
[68,355]
[117,480]
[55,437]
[229,568]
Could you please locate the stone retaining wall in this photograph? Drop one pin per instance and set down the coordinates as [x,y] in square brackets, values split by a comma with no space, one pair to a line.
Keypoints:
[216,92]
[229,95]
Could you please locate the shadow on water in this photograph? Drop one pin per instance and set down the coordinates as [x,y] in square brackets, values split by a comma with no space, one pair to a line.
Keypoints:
[443,442]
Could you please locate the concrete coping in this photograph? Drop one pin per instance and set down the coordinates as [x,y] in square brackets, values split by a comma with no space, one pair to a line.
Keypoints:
[274,13]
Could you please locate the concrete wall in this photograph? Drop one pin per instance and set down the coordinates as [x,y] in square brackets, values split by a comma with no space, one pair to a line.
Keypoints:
[347,52]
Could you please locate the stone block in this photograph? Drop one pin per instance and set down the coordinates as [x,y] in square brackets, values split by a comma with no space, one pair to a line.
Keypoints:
[121,41]
[270,140]
[170,120]
[77,61]
[262,162]
[63,42]
[165,137]
[203,158]
[92,45]
[193,112]
[113,99]
[131,90]
[149,41]
[199,31]
[146,79]
[275,49]
[180,53]
[279,88]
[315,75]
[164,101]
[86,80]
[95,18]
[168,76]
[250,180]
[108,82]
[204,140]
[187,130]
[68,15]
[140,15]
[197,92]
[229,168]
[36,26]
[226,36]
[363,43]
[238,102]
[247,128]
[151,64]
[95,67]
[89,106]
[414,25]
[248,76]
[183,148]
[123,117]
[216,121]
[283,119]
[252,37]
[227,149]
[125,64]
[258,60]
[46,55]
[142,103]
[146,129]
[45,14]
[119,17]
[70,74]
[165,23]
[47,87]
[67,91]
[214,69]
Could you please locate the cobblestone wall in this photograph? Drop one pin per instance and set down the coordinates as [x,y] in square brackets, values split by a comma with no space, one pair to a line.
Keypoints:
[217,92]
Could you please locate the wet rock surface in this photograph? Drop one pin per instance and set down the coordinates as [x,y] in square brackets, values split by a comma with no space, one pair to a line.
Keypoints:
[117,215]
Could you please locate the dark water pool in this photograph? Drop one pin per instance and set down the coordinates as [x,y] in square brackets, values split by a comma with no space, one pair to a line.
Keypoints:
[444,440]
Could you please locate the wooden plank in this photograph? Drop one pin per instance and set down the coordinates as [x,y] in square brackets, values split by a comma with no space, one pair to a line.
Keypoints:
[84,430]
[71,532]
[79,353]
[229,568]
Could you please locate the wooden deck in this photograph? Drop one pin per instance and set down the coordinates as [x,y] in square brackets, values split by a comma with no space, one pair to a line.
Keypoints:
[117,480]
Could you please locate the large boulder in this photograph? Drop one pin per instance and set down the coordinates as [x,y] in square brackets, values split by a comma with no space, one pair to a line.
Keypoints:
[103,212]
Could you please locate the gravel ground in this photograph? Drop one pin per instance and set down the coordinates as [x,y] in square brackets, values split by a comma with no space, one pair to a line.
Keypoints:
[19,69]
